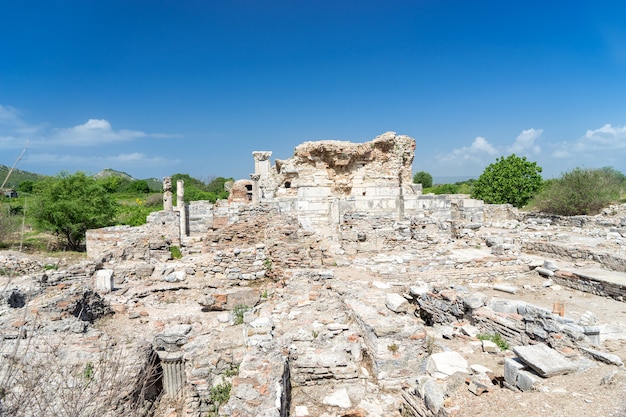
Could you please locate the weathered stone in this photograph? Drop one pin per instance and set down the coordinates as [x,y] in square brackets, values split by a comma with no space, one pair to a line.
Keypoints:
[603,356]
[397,303]
[338,398]
[545,361]
[512,368]
[446,364]
[104,280]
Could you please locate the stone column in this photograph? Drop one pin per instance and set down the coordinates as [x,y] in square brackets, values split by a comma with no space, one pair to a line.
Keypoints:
[167,194]
[255,188]
[173,372]
[168,346]
[180,206]
[262,163]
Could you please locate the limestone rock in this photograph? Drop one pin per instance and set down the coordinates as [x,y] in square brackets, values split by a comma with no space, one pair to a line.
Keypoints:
[397,303]
[446,364]
[544,360]
[338,398]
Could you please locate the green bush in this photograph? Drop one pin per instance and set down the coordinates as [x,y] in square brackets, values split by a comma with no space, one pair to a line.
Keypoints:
[70,204]
[423,178]
[512,180]
[580,191]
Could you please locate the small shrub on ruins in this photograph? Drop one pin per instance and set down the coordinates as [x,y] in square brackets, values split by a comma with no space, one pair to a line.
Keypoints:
[220,394]
[393,348]
[176,253]
[233,370]
[581,191]
[88,371]
[238,313]
[495,338]
[513,180]
[267,264]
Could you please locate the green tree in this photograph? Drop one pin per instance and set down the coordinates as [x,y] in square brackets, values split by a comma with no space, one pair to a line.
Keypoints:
[139,186]
[26,186]
[70,204]
[512,180]
[111,183]
[423,178]
[581,191]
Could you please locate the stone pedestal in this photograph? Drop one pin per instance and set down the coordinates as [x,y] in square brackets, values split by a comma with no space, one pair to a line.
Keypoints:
[104,280]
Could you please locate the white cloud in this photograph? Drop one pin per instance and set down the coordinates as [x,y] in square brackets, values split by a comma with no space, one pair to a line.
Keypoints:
[606,141]
[606,137]
[474,153]
[525,142]
[92,133]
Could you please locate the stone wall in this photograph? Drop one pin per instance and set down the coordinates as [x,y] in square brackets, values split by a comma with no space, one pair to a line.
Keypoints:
[152,240]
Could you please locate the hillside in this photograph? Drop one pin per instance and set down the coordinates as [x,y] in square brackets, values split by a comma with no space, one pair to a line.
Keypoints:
[17,176]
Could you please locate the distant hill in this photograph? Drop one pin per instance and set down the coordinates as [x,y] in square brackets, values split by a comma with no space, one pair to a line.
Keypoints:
[17,176]
[153,183]
[108,172]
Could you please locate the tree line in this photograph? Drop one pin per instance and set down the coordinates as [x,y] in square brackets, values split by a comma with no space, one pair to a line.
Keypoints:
[517,181]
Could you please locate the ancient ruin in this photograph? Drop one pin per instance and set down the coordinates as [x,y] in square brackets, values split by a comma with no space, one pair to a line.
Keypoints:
[329,285]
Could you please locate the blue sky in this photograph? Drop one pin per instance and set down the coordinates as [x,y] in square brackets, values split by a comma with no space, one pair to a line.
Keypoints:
[153,88]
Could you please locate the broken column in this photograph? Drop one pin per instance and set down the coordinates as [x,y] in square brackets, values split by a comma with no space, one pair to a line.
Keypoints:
[180,206]
[255,188]
[168,346]
[167,194]
[173,372]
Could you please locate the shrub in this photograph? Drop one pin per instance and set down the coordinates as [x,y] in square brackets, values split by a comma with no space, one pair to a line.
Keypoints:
[70,204]
[512,180]
[581,191]
[423,178]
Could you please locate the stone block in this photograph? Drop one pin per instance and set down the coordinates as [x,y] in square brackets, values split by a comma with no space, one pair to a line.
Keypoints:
[397,303]
[104,280]
[446,363]
[527,381]
[544,360]
[490,347]
[512,367]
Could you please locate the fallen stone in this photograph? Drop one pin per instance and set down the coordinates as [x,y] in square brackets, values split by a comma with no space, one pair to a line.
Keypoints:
[446,364]
[505,288]
[419,289]
[550,266]
[490,347]
[338,398]
[603,356]
[545,272]
[544,360]
[469,330]
[480,369]
[397,303]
